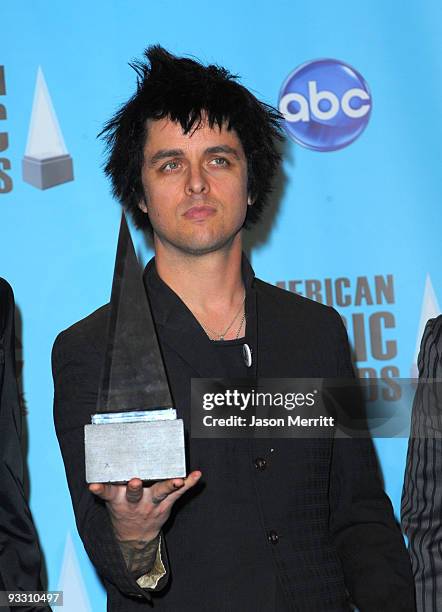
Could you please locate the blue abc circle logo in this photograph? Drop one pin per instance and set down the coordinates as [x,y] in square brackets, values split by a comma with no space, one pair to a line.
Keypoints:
[326,104]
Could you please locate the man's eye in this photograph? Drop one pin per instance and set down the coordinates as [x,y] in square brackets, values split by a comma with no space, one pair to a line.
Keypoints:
[220,161]
[171,165]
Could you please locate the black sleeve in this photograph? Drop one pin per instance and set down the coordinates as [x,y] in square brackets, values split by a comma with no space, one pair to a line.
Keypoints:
[76,367]
[20,557]
[368,540]
[422,490]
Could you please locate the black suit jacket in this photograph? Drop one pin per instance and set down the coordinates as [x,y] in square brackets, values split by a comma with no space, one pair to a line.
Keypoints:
[422,492]
[20,559]
[318,521]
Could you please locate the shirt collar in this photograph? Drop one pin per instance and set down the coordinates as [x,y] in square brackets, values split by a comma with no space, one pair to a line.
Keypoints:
[167,306]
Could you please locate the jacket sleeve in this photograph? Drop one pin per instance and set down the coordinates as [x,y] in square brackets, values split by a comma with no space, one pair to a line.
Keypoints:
[76,367]
[20,555]
[422,491]
[368,540]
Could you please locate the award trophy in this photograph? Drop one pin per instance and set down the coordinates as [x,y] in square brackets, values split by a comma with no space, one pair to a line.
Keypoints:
[46,162]
[135,432]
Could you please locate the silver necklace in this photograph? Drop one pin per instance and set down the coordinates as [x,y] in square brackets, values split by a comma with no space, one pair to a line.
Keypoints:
[221,336]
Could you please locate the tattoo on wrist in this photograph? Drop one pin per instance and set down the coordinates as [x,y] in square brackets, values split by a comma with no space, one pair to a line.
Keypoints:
[139,555]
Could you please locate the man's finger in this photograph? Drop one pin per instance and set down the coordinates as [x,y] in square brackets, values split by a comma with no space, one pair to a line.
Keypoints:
[134,490]
[173,488]
[104,491]
[160,490]
[158,499]
[187,483]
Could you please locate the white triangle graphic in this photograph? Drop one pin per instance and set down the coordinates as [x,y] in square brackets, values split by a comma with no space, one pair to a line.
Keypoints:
[430,309]
[71,582]
[45,139]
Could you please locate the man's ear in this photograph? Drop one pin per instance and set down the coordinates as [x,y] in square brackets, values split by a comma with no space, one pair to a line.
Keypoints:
[142,205]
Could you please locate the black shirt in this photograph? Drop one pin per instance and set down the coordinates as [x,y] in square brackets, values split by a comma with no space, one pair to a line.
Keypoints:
[230,536]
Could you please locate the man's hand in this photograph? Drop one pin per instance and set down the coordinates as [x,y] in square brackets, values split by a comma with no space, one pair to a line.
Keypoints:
[137,512]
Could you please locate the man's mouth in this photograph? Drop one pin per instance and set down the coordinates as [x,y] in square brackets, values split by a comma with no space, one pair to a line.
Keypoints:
[197,213]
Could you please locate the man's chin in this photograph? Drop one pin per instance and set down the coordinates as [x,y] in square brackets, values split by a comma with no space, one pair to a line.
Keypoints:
[203,248]
[197,247]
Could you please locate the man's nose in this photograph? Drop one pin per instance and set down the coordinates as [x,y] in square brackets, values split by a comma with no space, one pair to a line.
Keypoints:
[196,181]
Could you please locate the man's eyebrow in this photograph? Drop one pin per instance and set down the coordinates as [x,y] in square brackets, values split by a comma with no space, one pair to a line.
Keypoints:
[165,153]
[223,149]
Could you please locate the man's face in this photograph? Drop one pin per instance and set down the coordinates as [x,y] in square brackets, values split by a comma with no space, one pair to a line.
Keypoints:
[195,186]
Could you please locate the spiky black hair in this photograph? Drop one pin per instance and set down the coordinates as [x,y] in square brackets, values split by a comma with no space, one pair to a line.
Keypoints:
[186,91]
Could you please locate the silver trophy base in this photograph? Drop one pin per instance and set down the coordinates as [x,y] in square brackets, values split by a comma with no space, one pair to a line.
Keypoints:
[45,173]
[117,452]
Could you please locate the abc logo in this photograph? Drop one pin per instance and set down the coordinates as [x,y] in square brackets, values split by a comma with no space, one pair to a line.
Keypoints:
[326,105]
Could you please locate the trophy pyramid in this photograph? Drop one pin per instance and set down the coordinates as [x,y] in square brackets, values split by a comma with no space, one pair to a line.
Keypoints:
[46,162]
[135,432]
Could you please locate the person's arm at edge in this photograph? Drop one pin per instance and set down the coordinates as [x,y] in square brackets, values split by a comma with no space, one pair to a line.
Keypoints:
[25,572]
[421,501]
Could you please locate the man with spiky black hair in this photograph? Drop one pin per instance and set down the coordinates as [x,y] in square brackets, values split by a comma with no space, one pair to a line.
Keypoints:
[188,94]
[257,525]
